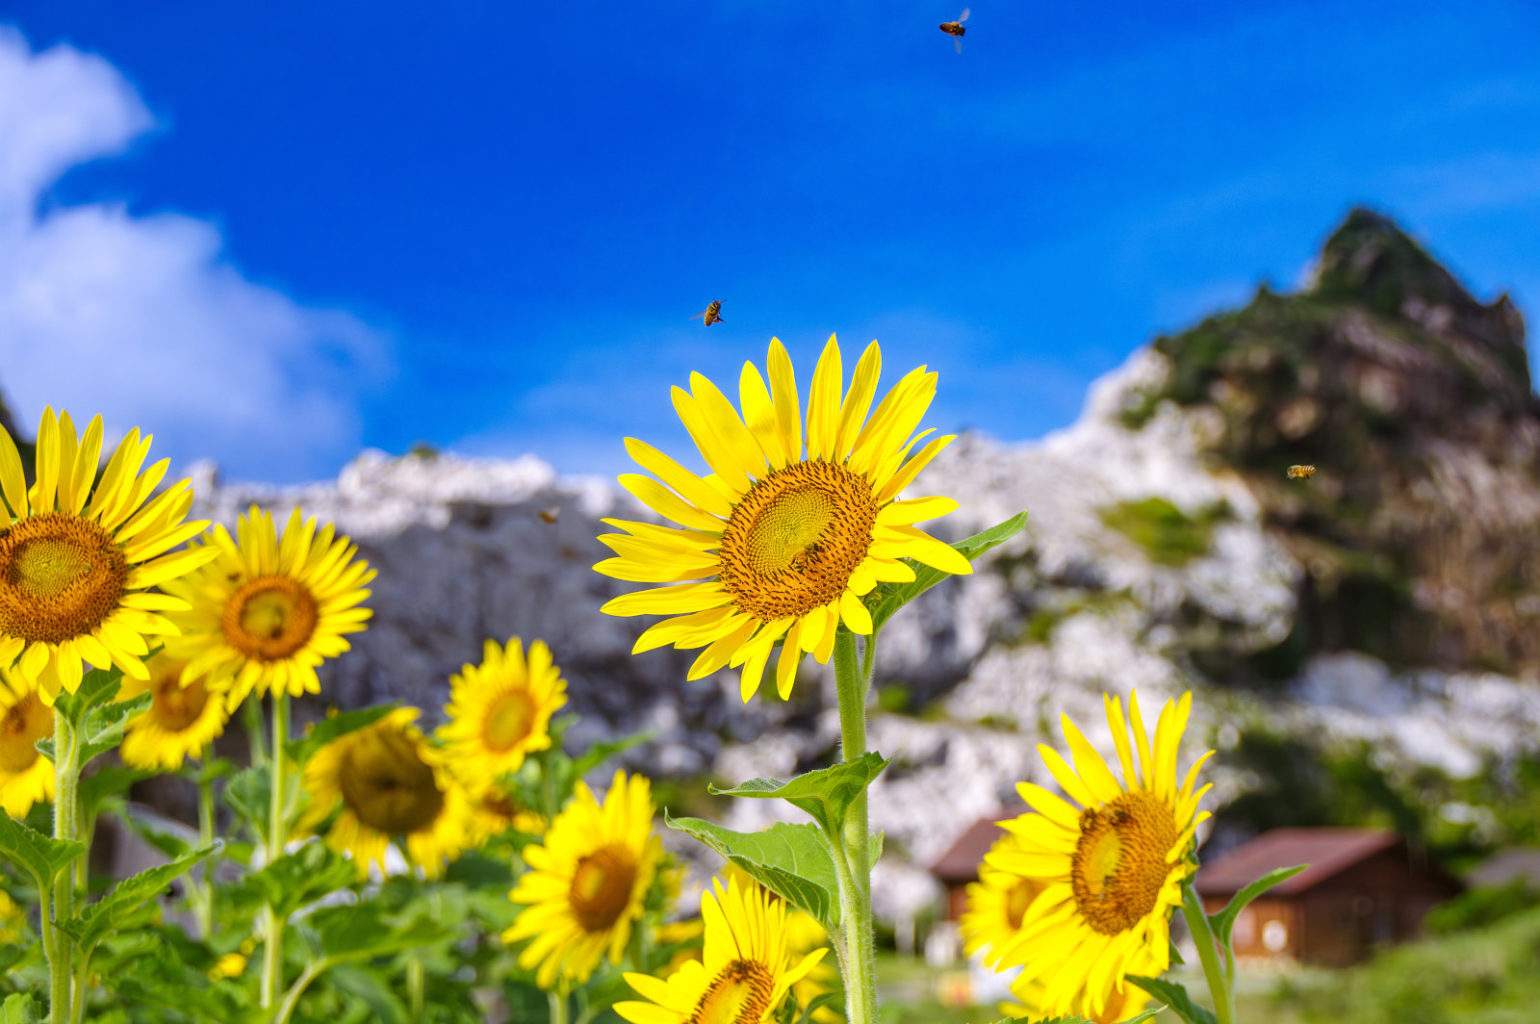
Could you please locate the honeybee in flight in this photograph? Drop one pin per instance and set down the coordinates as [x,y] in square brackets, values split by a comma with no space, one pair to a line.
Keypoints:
[711,314]
[1301,472]
[955,29]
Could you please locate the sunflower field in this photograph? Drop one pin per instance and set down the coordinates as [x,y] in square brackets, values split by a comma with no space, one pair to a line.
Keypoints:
[465,863]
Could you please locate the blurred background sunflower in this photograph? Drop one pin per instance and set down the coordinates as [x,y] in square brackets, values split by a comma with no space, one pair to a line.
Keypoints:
[499,711]
[184,718]
[26,776]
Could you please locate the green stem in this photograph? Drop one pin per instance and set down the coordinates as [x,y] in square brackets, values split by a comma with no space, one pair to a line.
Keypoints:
[82,974]
[558,1003]
[855,881]
[66,825]
[251,709]
[272,951]
[1208,954]
[291,998]
[204,889]
[416,978]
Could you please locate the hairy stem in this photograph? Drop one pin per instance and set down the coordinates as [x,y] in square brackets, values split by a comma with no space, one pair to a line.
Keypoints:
[204,889]
[272,950]
[855,881]
[66,825]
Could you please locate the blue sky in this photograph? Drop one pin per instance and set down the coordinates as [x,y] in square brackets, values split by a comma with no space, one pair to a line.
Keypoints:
[276,235]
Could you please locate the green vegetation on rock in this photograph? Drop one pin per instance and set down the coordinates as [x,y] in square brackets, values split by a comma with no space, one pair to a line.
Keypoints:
[1166,533]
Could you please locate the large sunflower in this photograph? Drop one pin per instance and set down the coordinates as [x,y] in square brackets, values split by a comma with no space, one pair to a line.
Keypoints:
[783,543]
[500,710]
[78,555]
[1112,867]
[586,882]
[745,972]
[26,776]
[265,614]
[184,717]
[390,784]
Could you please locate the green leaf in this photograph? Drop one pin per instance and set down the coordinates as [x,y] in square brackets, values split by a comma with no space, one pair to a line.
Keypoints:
[107,913]
[108,782]
[825,794]
[103,728]
[835,999]
[1148,1014]
[363,931]
[1224,921]
[41,856]
[328,729]
[170,837]
[367,988]
[247,794]
[20,1009]
[1175,997]
[97,687]
[793,861]
[894,596]
[304,876]
[602,751]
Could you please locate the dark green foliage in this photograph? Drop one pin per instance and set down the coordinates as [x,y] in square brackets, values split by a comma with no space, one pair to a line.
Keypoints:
[1483,908]
[1166,533]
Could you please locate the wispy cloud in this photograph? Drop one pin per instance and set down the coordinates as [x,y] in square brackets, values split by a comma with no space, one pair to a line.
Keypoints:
[143,318]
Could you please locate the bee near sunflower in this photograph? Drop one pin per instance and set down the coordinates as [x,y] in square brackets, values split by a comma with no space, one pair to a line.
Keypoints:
[792,527]
[1111,865]
[385,782]
[745,973]
[586,883]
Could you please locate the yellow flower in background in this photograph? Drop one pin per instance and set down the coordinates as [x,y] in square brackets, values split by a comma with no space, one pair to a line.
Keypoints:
[746,969]
[390,784]
[231,965]
[997,902]
[183,719]
[266,613]
[495,812]
[803,935]
[500,710]
[76,563]
[782,543]
[26,776]
[1112,867]
[11,920]
[1115,1005]
[586,882]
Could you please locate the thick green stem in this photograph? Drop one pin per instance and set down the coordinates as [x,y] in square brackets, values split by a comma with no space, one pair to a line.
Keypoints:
[204,889]
[558,1003]
[66,825]
[251,711]
[272,950]
[291,998]
[416,984]
[1208,954]
[855,881]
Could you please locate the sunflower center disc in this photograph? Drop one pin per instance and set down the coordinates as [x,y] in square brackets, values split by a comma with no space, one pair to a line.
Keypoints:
[739,994]
[601,887]
[386,784]
[508,720]
[1119,864]
[795,538]
[174,706]
[269,618]
[60,576]
[26,722]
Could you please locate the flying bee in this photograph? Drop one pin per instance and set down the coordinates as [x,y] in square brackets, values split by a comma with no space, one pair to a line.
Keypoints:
[1301,472]
[955,29]
[711,314]
[550,514]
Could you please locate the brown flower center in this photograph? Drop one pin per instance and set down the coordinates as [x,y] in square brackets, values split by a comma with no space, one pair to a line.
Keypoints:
[601,887]
[794,540]
[60,576]
[1119,864]
[739,994]
[23,724]
[386,783]
[269,618]
[509,720]
[174,706]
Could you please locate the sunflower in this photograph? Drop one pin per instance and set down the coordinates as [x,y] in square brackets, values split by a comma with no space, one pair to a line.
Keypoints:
[76,563]
[1116,1004]
[780,545]
[1112,869]
[265,614]
[12,920]
[996,903]
[494,812]
[745,973]
[803,935]
[184,717]
[391,784]
[26,776]
[500,710]
[586,882]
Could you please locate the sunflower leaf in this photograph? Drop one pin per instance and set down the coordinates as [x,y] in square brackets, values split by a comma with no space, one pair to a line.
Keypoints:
[893,596]
[108,913]
[1176,998]
[792,861]
[298,878]
[825,794]
[20,1008]
[328,729]
[42,857]
[1224,921]
[103,727]
[363,931]
[97,687]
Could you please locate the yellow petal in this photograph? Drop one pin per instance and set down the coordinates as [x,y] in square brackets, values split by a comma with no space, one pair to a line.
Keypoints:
[823,403]
[759,415]
[783,394]
[858,400]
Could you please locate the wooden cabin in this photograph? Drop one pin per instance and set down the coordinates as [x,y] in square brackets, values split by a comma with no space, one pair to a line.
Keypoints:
[1364,889]
[959,865]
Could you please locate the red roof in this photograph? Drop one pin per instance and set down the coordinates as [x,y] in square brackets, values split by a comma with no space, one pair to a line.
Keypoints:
[960,862]
[1327,851]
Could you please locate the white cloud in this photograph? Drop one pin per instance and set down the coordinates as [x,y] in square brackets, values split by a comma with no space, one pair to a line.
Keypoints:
[141,318]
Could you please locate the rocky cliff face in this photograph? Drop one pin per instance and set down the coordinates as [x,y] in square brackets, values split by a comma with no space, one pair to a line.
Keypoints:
[1379,616]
